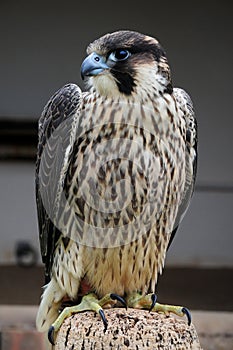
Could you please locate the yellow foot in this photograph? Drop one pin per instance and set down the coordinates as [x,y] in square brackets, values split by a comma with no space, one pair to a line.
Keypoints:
[148,302]
[89,302]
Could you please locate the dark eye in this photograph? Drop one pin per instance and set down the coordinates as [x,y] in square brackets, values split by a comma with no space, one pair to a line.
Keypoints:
[119,55]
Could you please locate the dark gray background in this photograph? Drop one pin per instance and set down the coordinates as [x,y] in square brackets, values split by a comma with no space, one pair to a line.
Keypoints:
[42,46]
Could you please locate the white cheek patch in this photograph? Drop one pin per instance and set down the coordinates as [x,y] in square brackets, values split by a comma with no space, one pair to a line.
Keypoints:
[105,84]
[149,80]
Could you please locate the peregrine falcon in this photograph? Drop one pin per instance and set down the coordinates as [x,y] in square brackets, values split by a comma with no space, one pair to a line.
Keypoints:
[115,173]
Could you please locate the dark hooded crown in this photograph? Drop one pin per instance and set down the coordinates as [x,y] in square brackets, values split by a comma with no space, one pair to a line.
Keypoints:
[143,49]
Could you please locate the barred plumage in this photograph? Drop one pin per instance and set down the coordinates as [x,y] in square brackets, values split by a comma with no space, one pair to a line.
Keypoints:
[115,173]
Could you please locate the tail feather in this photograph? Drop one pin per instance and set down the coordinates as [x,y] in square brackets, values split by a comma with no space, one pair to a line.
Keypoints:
[49,307]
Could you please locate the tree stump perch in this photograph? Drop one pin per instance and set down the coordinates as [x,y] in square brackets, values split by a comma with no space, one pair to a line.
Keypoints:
[127,329]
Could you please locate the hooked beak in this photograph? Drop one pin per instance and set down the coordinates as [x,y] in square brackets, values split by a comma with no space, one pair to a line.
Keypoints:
[93,65]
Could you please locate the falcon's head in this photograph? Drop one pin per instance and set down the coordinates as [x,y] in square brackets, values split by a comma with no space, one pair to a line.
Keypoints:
[127,63]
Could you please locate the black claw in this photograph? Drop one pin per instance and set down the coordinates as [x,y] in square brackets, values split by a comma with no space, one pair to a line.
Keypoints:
[51,335]
[153,299]
[117,297]
[105,322]
[188,314]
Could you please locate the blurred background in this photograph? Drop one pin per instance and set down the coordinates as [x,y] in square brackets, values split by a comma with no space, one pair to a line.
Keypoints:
[42,46]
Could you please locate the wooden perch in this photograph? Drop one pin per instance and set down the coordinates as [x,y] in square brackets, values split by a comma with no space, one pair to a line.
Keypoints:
[127,329]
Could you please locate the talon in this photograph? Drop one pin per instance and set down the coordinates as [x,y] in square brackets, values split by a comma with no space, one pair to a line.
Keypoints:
[114,296]
[105,322]
[188,314]
[153,299]
[51,335]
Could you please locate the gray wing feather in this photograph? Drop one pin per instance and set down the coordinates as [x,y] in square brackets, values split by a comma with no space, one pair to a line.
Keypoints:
[184,103]
[56,135]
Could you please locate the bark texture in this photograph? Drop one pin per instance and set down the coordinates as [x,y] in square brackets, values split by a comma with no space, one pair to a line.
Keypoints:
[127,329]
